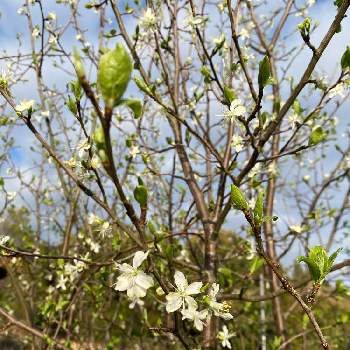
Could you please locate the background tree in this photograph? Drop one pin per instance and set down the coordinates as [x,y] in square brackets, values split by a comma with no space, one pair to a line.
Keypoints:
[182,154]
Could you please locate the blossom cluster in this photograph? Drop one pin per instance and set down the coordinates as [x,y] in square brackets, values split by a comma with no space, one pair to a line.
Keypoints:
[136,282]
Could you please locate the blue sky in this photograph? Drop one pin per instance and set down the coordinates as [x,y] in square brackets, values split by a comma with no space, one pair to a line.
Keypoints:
[11,24]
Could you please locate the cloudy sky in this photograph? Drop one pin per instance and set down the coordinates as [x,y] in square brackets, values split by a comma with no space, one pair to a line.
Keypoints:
[14,26]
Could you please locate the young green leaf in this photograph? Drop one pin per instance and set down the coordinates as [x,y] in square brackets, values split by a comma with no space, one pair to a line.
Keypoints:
[319,263]
[345,59]
[238,200]
[264,72]
[99,138]
[259,209]
[317,135]
[140,195]
[229,94]
[134,105]
[114,72]
[78,64]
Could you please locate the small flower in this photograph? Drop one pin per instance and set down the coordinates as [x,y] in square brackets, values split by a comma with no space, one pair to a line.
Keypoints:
[45,114]
[94,246]
[134,150]
[195,316]
[11,195]
[36,32]
[224,336]
[236,110]
[148,20]
[95,162]
[237,143]
[196,21]
[294,120]
[133,280]
[62,283]
[94,219]
[296,228]
[105,229]
[25,105]
[51,16]
[183,293]
[219,309]
[244,33]
[4,239]
[83,147]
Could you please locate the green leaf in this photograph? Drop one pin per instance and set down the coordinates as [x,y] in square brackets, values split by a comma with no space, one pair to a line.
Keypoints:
[238,200]
[142,85]
[319,263]
[134,104]
[345,59]
[140,195]
[305,27]
[264,72]
[99,138]
[331,260]
[206,74]
[229,94]
[313,268]
[297,107]
[114,73]
[259,209]
[317,135]
[71,104]
[255,264]
[78,64]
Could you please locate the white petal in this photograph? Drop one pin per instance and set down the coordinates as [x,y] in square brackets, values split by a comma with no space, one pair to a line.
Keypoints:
[198,324]
[203,314]
[139,258]
[180,280]
[214,290]
[124,282]
[194,288]
[125,268]
[225,315]
[143,280]
[240,110]
[174,302]
[192,304]
[187,314]
[136,292]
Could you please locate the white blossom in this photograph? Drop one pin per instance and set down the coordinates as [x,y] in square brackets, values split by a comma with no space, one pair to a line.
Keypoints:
[83,147]
[294,119]
[237,143]
[133,280]
[4,239]
[224,336]
[236,110]
[51,16]
[25,105]
[148,20]
[35,32]
[182,296]
[196,316]
[219,309]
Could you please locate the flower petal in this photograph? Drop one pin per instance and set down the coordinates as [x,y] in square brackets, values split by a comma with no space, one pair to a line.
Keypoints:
[194,288]
[198,324]
[174,302]
[143,280]
[139,258]
[136,292]
[214,290]
[124,282]
[180,280]
[125,268]
[191,303]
